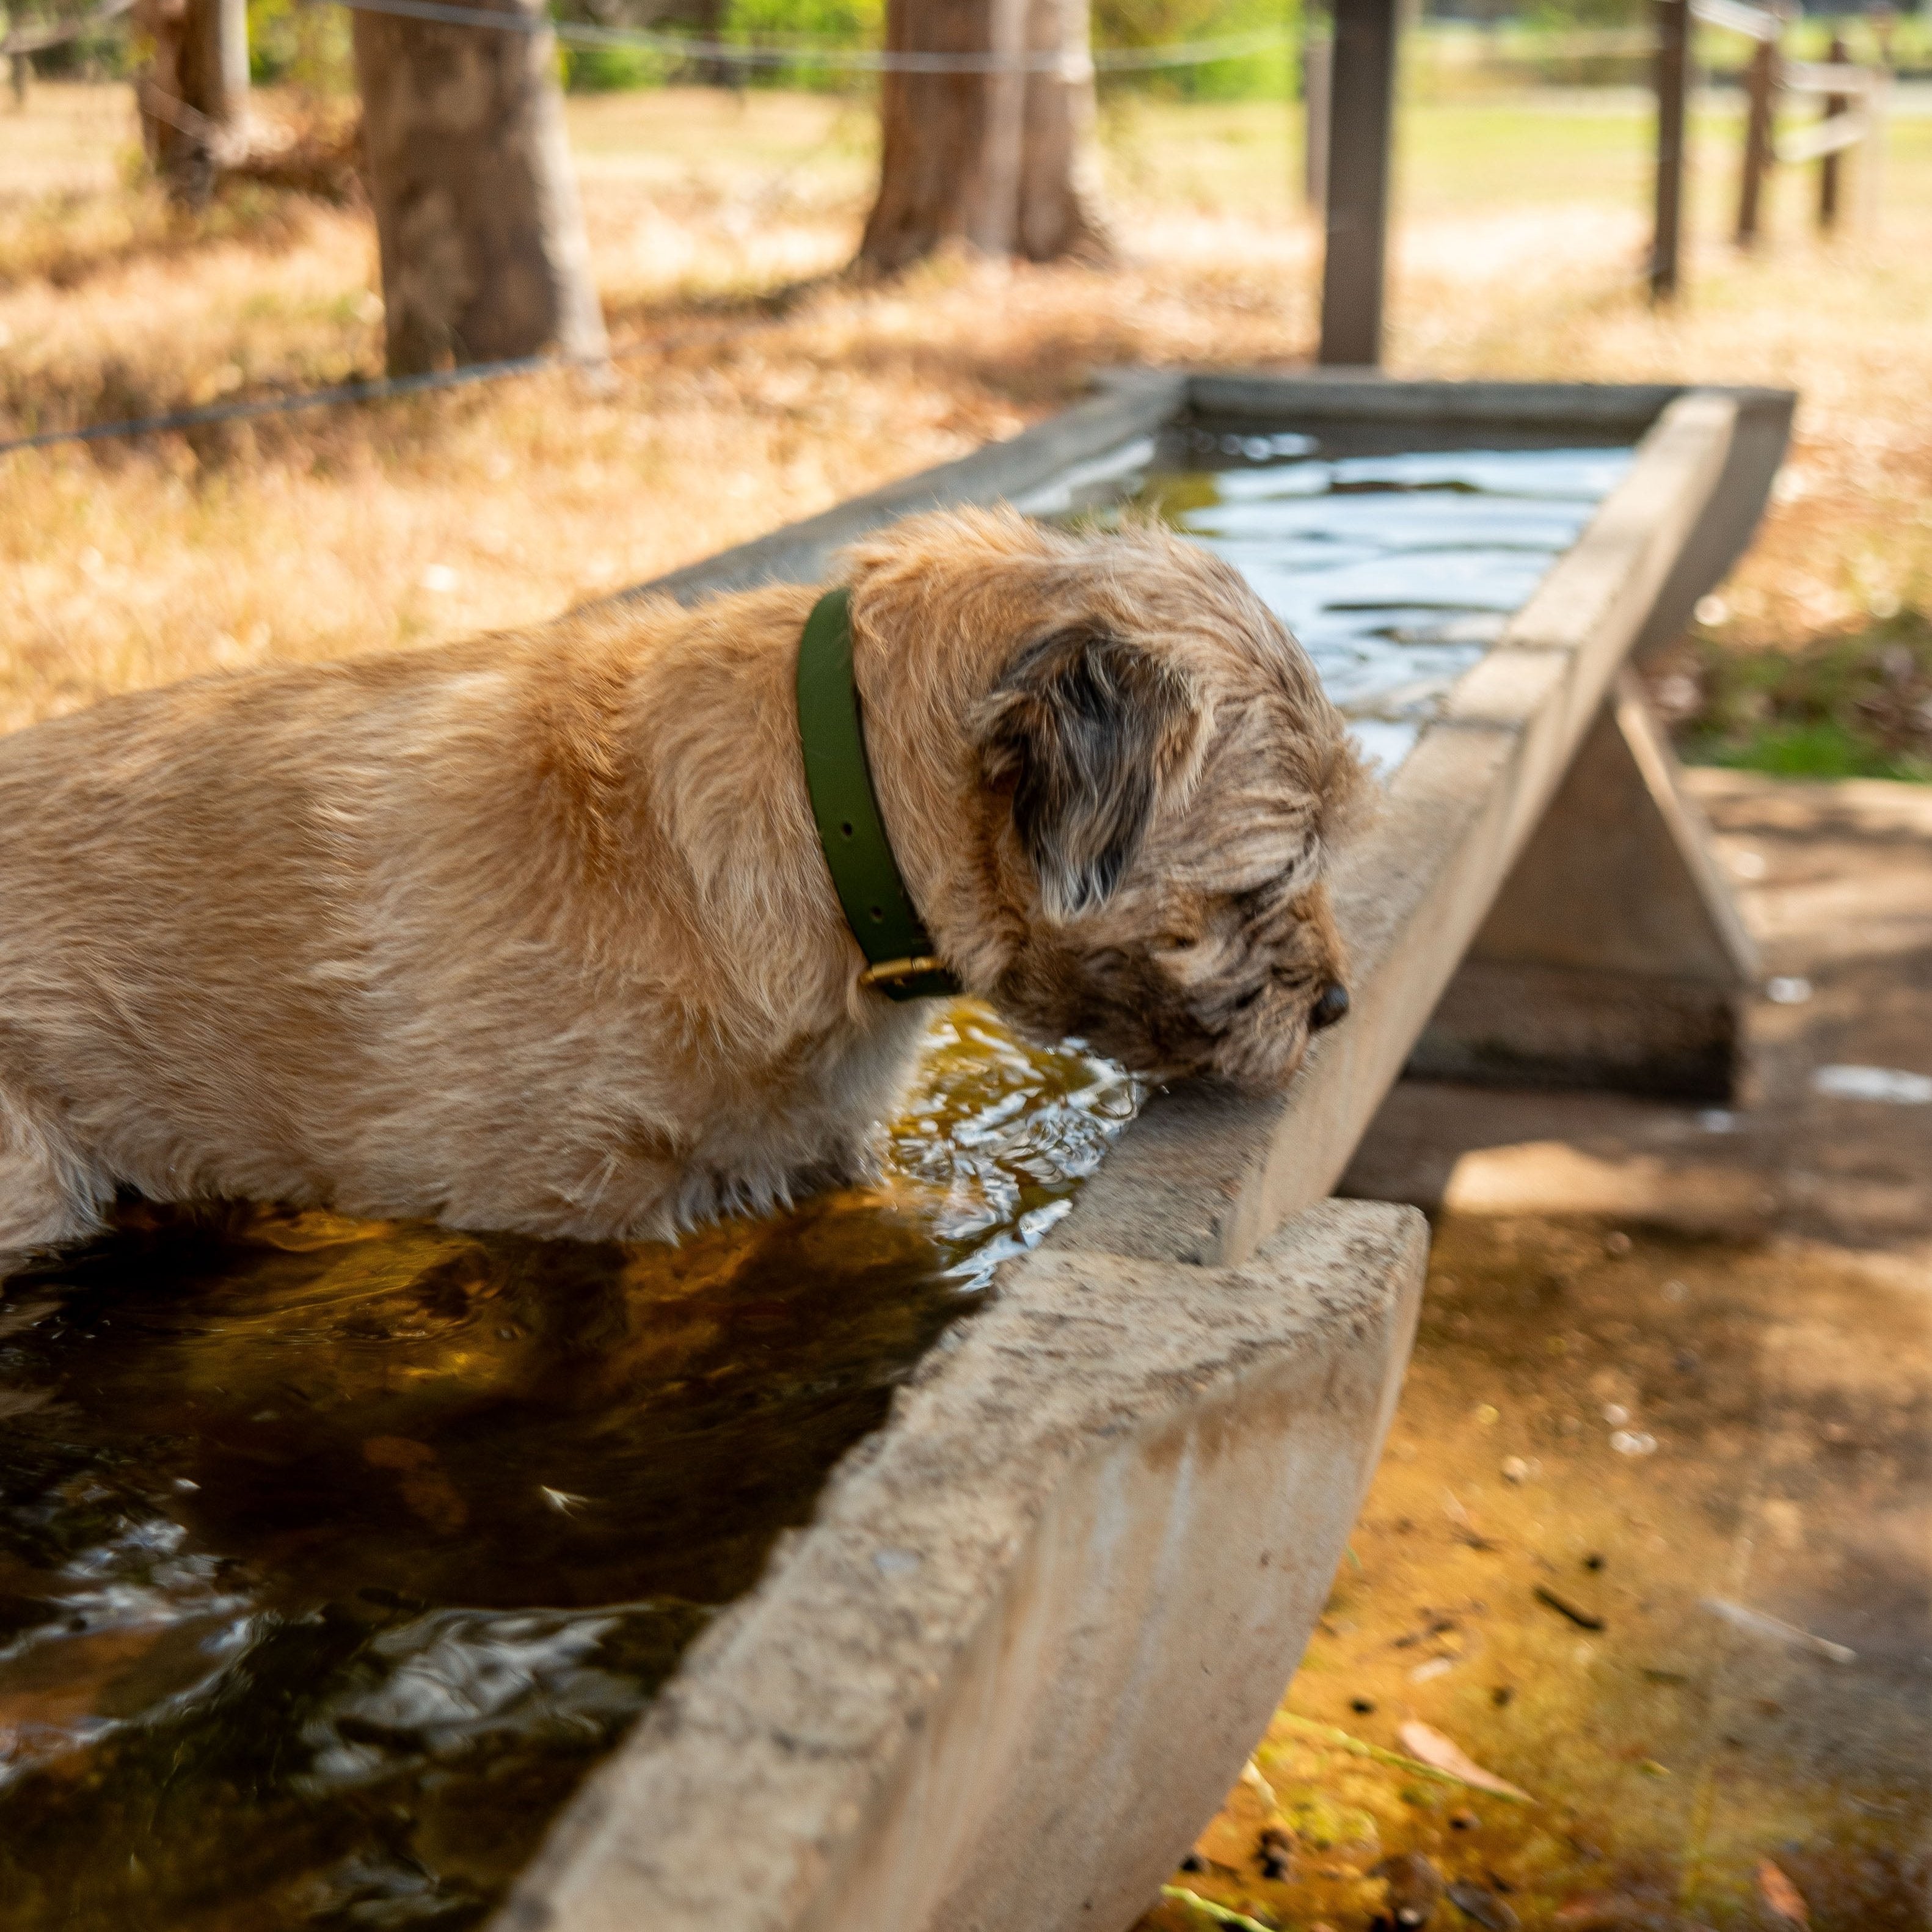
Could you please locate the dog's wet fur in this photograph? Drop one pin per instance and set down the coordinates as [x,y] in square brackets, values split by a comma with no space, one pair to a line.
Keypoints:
[535,931]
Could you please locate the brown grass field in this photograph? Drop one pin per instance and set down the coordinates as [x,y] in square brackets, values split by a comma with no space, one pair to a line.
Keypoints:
[754,384]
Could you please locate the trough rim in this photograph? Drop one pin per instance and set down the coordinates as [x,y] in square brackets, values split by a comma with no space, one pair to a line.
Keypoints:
[923,1536]
[1202,1181]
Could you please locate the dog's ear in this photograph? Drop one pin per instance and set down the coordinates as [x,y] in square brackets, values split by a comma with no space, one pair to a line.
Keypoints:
[1087,730]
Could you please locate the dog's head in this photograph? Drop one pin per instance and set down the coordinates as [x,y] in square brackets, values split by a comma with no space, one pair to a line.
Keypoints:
[1155,782]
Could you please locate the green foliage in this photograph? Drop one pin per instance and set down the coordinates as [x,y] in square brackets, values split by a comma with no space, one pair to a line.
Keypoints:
[301,46]
[1149,23]
[612,69]
[1908,34]
[836,23]
[1564,17]
[1853,707]
[861,24]
[104,54]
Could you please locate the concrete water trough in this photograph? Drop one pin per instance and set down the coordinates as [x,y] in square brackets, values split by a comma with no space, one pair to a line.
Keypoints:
[1041,1616]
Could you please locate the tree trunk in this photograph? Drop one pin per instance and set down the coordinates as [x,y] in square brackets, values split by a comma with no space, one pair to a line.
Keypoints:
[194,91]
[483,249]
[997,160]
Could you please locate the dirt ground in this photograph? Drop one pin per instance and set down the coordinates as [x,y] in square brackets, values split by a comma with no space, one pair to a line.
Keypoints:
[1652,1537]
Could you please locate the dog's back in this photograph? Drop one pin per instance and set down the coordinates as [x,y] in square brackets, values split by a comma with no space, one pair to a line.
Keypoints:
[260,929]
[536,931]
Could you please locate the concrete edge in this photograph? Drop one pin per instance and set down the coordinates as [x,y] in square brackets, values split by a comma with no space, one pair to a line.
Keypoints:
[1131,405]
[1690,831]
[1132,401]
[1611,956]
[1756,453]
[1359,396]
[1204,1176]
[895,1647]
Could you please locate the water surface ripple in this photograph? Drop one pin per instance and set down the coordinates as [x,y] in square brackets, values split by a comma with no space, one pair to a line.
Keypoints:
[332,1554]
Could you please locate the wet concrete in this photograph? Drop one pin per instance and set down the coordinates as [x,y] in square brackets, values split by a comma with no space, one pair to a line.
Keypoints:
[1651,1540]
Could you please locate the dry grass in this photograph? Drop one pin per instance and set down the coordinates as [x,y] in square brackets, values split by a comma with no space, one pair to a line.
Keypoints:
[754,387]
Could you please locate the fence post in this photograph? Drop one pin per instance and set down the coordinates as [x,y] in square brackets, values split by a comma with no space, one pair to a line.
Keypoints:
[20,66]
[1828,168]
[1762,86]
[1871,167]
[1361,106]
[1673,62]
[1317,50]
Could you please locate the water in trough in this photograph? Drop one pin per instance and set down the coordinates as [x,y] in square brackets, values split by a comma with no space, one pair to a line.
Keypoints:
[332,1554]
[1396,568]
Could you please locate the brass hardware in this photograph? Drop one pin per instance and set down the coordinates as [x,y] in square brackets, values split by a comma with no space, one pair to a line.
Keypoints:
[900,969]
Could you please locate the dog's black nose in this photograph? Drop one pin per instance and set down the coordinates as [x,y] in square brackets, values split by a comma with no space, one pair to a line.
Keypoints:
[1333,1005]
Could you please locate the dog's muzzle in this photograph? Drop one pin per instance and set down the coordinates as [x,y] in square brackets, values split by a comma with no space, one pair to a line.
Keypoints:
[1333,1006]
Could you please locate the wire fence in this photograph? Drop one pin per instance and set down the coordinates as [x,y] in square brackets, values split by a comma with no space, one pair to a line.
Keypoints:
[1850,125]
[1071,67]
[376,390]
[37,38]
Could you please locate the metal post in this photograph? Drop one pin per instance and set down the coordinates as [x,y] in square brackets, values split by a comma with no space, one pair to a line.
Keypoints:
[1762,86]
[1835,104]
[1673,63]
[1361,107]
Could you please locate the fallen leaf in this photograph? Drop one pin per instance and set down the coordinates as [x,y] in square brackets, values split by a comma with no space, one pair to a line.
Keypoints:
[1781,1894]
[1590,1908]
[1413,1887]
[1603,1911]
[1427,1744]
[1483,1906]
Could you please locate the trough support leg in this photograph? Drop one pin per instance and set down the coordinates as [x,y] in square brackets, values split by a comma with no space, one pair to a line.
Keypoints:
[1612,956]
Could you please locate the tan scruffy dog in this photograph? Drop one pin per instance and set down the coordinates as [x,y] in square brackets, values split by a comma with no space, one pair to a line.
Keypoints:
[536,932]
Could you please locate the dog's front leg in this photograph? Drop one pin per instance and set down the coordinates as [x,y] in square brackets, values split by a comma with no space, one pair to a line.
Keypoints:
[50,1192]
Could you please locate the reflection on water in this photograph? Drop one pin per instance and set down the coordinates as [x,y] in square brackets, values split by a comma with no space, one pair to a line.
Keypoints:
[332,1554]
[1397,571]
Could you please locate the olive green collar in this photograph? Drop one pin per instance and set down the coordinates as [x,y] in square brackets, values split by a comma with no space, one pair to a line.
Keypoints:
[901,962]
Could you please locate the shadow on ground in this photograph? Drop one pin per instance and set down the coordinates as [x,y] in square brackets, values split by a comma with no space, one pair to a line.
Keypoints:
[1652,1539]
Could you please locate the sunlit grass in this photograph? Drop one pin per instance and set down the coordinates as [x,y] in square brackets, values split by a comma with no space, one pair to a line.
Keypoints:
[1520,240]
